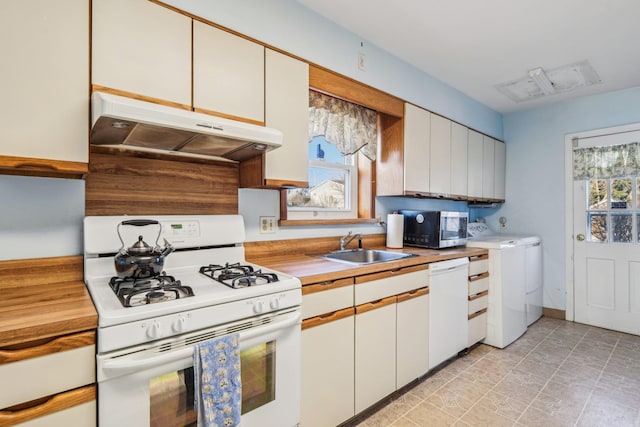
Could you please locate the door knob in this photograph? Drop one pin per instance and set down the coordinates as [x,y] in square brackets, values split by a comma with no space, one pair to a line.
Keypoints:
[580,237]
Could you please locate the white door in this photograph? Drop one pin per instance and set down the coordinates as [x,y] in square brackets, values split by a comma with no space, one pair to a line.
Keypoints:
[606,225]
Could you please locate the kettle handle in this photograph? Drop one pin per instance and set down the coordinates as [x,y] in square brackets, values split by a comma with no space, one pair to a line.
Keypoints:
[139,223]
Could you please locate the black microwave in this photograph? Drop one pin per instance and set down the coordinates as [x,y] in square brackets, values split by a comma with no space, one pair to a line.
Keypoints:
[435,229]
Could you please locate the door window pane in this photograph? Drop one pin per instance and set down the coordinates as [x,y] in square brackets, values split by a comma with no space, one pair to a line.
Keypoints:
[598,194]
[621,228]
[597,227]
[621,193]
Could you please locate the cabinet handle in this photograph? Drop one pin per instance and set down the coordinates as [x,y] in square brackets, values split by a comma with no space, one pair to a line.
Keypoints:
[480,295]
[373,305]
[478,276]
[47,405]
[327,318]
[477,313]
[413,294]
[41,348]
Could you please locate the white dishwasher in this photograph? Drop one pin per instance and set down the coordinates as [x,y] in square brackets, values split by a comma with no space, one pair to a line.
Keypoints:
[448,311]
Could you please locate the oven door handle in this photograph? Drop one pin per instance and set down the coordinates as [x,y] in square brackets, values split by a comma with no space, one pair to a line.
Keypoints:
[121,366]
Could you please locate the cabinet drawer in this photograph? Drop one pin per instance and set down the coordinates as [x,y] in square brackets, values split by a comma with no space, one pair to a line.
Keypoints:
[478,284]
[321,298]
[46,374]
[72,408]
[376,286]
[478,266]
[477,328]
[478,302]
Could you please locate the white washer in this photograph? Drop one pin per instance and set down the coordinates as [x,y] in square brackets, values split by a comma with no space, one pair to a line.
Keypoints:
[512,260]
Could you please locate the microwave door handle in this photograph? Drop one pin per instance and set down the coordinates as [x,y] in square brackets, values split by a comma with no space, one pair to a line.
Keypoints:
[122,366]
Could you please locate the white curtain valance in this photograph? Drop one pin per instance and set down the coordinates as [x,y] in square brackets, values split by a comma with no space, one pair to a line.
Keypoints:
[611,161]
[349,126]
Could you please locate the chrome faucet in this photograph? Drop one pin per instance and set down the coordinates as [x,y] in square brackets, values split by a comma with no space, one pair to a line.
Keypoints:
[345,240]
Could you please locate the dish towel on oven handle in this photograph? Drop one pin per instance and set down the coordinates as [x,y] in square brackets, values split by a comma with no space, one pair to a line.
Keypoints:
[218,386]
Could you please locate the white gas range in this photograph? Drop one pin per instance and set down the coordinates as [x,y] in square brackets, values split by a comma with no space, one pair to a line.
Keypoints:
[147,328]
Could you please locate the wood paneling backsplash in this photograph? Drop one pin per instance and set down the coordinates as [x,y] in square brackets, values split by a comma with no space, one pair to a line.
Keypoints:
[120,183]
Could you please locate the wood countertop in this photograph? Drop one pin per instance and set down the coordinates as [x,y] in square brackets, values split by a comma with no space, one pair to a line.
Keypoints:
[43,298]
[313,268]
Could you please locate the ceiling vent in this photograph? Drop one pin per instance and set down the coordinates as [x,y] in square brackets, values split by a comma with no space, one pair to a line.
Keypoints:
[541,83]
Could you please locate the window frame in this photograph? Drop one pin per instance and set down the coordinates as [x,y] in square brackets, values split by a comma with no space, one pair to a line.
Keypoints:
[389,157]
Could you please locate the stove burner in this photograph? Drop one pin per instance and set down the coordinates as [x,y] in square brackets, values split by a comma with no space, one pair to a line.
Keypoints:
[238,275]
[134,291]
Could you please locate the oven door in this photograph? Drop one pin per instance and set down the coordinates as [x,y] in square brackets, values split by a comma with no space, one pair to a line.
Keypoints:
[153,385]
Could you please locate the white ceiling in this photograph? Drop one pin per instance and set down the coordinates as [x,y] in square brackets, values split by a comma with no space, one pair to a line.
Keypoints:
[474,45]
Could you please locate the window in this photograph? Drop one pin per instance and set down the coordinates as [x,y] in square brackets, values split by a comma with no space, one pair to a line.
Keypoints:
[611,209]
[338,130]
[332,191]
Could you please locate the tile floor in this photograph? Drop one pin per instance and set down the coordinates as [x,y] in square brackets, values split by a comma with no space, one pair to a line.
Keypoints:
[558,374]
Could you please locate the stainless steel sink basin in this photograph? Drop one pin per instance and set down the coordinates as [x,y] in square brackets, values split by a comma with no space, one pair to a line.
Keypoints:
[365,256]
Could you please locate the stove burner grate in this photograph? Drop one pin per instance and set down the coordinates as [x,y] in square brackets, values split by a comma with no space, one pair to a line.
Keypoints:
[136,291]
[238,275]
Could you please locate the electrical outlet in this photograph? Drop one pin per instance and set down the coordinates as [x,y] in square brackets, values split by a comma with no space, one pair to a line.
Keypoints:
[361,61]
[267,224]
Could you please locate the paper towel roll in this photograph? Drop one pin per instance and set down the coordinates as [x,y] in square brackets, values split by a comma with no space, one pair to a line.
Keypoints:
[395,230]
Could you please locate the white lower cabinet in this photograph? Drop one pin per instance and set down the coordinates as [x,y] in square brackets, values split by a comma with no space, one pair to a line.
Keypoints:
[412,340]
[328,370]
[361,343]
[375,352]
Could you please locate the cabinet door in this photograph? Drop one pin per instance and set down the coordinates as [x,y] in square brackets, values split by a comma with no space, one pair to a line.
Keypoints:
[412,336]
[417,134]
[488,168]
[327,397]
[45,79]
[475,164]
[499,168]
[440,155]
[228,74]
[375,352]
[459,142]
[142,48]
[287,109]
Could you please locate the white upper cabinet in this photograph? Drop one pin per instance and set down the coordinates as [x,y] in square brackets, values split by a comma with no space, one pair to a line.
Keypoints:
[417,134]
[499,168]
[287,109]
[459,147]
[45,79]
[475,164]
[142,48]
[228,74]
[488,165]
[440,155]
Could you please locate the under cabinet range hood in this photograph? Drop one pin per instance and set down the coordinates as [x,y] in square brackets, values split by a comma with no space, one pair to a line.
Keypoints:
[143,126]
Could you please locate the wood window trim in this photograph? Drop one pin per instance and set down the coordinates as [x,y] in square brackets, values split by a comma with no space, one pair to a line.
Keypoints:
[390,122]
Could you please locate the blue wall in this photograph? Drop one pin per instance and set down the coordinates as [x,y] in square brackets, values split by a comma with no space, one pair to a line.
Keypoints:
[536,172]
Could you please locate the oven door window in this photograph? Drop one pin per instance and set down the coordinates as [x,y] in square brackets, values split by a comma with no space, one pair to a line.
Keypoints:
[171,399]
[258,372]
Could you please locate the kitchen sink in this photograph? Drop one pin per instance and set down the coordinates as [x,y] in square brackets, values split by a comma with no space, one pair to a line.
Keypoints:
[365,256]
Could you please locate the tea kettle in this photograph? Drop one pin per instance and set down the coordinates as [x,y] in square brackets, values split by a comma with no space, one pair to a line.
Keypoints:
[141,260]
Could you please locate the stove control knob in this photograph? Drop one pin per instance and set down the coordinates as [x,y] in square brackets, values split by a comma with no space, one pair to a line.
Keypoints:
[153,331]
[258,307]
[274,304]
[178,324]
